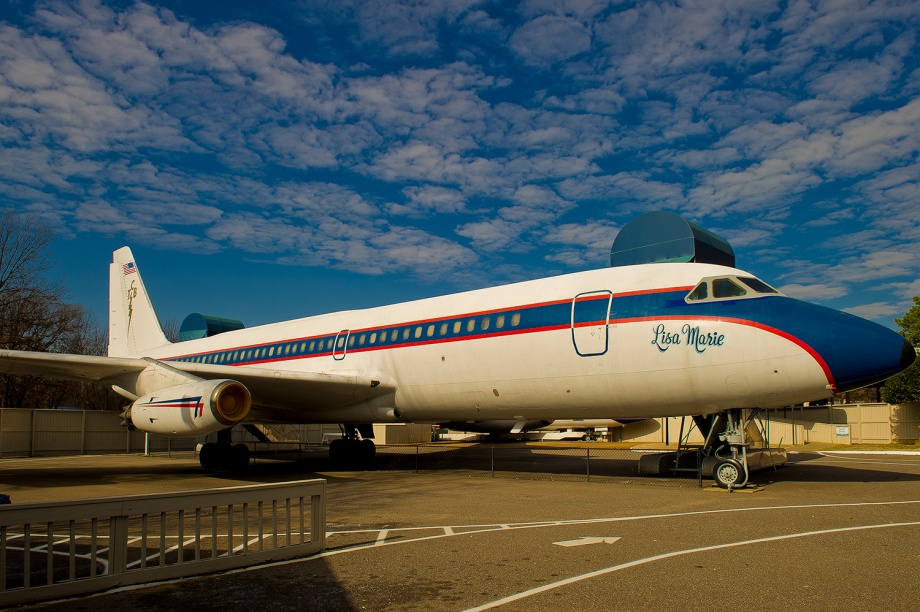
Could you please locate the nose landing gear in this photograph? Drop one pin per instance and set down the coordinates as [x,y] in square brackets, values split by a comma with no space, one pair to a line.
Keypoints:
[731,472]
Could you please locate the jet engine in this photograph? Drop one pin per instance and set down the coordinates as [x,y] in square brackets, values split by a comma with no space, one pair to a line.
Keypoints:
[195,409]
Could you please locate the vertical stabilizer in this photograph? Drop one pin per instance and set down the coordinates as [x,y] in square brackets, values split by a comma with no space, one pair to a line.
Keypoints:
[133,324]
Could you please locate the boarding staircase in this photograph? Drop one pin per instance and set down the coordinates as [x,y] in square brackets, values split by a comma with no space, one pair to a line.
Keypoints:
[275,432]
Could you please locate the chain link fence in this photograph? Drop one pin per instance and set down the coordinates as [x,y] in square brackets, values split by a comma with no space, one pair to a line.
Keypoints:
[524,462]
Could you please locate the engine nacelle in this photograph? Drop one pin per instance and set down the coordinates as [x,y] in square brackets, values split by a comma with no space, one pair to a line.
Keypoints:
[196,409]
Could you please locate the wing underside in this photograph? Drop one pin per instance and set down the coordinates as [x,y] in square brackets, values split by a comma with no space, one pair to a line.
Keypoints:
[277,395]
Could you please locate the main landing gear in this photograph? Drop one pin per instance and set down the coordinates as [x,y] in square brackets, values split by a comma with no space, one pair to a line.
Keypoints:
[224,456]
[354,447]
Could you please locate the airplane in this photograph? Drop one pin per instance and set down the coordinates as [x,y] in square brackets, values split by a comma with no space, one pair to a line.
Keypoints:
[634,341]
[498,428]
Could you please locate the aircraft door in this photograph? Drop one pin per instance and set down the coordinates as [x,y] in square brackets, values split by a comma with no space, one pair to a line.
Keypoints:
[590,318]
[340,346]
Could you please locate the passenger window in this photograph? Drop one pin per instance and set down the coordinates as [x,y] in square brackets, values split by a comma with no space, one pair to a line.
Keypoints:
[361,340]
[456,327]
[443,330]
[373,338]
[725,288]
[406,334]
[329,344]
[485,323]
[351,341]
[312,345]
[418,332]
[471,325]
[271,352]
[701,292]
[499,321]
[287,349]
[515,319]
[430,331]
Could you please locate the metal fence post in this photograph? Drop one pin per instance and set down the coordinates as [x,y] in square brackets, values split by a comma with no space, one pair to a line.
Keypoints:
[699,466]
[83,434]
[118,545]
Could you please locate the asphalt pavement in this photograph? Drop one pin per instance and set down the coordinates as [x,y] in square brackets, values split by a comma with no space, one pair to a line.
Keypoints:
[827,532]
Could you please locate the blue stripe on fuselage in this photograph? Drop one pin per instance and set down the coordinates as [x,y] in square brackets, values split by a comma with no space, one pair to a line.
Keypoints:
[855,351]
[851,350]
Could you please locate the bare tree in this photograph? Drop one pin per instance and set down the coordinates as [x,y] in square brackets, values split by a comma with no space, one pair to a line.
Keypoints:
[171,329]
[24,260]
[34,317]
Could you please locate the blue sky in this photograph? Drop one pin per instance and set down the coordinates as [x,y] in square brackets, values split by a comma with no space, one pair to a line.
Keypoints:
[279,159]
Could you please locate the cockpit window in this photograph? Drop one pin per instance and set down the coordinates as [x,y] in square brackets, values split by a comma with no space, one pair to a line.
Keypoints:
[700,292]
[729,288]
[757,285]
[725,288]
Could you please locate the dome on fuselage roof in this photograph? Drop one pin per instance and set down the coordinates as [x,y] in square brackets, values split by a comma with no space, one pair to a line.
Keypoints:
[198,325]
[661,237]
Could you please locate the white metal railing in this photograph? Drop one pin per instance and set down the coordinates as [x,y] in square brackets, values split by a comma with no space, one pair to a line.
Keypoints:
[61,549]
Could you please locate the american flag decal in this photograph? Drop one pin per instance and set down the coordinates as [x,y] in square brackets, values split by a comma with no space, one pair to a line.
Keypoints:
[128,268]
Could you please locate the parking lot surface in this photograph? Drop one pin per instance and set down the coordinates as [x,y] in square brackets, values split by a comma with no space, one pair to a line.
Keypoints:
[829,531]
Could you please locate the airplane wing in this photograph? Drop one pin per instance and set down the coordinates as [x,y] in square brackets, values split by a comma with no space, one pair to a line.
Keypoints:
[276,394]
[68,367]
[283,395]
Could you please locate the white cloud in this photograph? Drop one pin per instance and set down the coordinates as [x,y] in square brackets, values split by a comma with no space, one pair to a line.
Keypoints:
[580,245]
[427,199]
[549,39]
[875,310]
[818,291]
[538,127]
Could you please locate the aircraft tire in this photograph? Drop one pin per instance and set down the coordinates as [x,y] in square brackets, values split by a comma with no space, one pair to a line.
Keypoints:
[239,458]
[209,456]
[728,472]
[368,451]
[337,450]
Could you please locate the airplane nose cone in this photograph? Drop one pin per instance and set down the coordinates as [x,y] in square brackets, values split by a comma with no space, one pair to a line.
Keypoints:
[864,353]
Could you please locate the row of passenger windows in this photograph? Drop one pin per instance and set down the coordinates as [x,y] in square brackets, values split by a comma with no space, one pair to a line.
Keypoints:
[376,338]
[469,326]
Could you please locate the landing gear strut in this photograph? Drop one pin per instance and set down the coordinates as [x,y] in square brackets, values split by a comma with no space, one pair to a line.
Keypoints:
[730,449]
[353,449]
[224,456]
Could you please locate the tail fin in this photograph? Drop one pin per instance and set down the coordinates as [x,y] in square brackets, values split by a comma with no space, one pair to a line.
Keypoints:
[133,324]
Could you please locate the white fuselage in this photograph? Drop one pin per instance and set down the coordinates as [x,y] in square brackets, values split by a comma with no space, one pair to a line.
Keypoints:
[609,343]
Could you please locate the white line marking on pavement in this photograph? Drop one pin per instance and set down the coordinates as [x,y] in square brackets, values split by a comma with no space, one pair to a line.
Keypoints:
[676,553]
[583,540]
